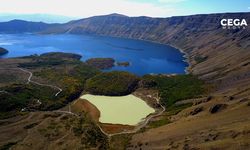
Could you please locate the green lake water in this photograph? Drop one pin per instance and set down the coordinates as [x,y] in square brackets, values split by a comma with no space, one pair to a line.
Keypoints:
[127,110]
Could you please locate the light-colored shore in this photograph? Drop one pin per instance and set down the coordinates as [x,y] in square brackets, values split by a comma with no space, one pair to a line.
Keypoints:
[126,110]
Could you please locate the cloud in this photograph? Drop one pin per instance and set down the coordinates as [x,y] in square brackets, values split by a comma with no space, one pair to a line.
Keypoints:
[82,8]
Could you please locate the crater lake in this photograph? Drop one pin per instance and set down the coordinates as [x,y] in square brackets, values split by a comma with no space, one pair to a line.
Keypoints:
[144,57]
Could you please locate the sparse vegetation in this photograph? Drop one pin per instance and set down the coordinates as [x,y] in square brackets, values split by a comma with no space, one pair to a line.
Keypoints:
[31,125]
[217,107]
[160,122]
[196,110]
[90,134]
[200,59]
[175,88]
[120,142]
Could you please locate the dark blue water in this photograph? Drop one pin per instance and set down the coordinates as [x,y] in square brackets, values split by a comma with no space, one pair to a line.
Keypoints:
[145,57]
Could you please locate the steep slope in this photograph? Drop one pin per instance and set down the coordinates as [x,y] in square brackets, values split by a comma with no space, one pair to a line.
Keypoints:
[228,129]
[216,54]
[219,120]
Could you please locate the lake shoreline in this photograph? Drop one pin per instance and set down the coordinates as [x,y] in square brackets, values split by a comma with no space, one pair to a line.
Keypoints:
[149,97]
[117,101]
[155,57]
[185,54]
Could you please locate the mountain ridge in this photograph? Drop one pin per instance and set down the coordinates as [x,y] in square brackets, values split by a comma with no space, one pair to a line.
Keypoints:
[200,37]
[21,26]
[219,119]
[196,35]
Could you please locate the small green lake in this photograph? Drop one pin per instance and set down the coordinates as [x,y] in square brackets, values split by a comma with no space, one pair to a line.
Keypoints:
[127,110]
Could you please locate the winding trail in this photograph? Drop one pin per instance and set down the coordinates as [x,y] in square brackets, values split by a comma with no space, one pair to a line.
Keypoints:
[34,82]
[30,81]
[141,125]
[136,129]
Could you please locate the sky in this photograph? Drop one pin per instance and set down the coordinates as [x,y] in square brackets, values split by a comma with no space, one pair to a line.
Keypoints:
[152,8]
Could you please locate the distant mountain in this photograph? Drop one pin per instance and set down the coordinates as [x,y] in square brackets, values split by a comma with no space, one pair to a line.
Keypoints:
[36,18]
[3,51]
[20,26]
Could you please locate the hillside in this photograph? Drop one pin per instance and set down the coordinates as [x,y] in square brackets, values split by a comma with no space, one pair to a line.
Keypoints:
[226,52]
[218,56]
[215,54]
[208,114]
[64,71]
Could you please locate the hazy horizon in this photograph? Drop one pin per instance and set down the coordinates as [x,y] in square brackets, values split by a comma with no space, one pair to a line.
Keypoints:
[56,11]
[48,18]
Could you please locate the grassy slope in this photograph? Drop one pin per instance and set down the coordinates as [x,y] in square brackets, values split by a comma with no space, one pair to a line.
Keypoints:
[52,130]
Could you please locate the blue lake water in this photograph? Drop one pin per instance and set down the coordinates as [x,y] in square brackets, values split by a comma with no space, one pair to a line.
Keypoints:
[145,57]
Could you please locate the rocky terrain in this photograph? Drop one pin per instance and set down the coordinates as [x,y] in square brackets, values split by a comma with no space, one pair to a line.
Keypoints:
[218,56]
[219,119]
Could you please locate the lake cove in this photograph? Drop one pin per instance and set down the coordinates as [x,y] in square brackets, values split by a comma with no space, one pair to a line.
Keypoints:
[126,110]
